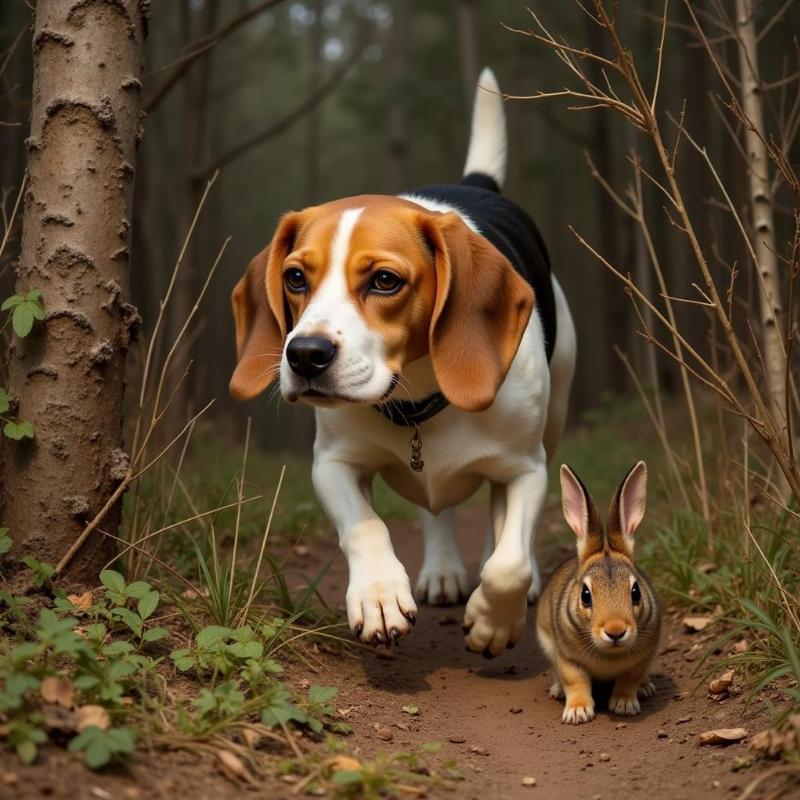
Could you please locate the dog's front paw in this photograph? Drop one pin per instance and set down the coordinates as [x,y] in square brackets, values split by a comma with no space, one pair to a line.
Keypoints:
[494,621]
[442,585]
[381,612]
[627,706]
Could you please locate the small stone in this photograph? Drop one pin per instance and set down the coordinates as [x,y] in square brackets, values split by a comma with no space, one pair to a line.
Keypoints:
[620,725]
[529,780]
[479,751]
[383,733]
[662,734]
[9,778]
[515,709]
[683,720]
[457,739]
[604,757]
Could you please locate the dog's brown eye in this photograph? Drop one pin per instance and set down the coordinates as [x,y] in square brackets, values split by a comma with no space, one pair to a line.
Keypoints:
[384,281]
[295,280]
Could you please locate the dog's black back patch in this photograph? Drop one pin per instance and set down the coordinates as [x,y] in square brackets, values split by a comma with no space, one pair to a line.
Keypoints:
[511,230]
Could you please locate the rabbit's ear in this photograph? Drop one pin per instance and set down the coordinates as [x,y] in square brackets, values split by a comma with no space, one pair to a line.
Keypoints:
[627,509]
[580,513]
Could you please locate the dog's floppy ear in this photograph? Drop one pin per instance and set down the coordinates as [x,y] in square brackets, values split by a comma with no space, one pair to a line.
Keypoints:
[258,310]
[481,309]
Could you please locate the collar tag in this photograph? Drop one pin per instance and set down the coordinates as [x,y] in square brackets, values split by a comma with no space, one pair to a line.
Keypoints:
[415,461]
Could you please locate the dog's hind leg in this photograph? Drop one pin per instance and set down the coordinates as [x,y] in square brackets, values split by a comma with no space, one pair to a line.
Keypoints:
[443,578]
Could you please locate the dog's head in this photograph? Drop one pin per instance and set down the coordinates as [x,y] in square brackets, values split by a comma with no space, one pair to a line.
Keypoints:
[350,292]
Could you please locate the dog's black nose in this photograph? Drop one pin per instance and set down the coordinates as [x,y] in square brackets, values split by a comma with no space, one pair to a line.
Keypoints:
[309,356]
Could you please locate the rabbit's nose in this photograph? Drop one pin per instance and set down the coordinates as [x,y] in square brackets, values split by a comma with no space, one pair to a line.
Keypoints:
[615,630]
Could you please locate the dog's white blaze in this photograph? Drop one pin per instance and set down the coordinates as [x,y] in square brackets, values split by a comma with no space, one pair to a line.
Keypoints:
[332,293]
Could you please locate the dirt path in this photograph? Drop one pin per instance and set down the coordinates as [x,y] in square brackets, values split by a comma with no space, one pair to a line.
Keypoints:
[496,721]
[493,717]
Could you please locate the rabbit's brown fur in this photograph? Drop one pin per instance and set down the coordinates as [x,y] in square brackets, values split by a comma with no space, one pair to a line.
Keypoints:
[592,622]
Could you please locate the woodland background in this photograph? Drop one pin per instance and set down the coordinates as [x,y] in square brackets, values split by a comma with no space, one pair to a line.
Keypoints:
[306,101]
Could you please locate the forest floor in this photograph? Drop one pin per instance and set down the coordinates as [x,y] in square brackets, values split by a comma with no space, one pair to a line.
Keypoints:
[494,720]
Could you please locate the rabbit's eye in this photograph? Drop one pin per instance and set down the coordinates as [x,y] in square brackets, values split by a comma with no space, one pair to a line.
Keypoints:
[586,596]
[636,594]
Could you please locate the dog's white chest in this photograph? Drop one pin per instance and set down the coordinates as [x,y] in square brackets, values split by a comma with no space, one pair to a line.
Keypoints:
[460,450]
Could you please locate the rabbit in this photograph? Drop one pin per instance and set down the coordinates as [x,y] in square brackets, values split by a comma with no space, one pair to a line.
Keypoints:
[598,616]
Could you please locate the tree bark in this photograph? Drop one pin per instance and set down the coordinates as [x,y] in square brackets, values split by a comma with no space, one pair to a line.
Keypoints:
[313,121]
[68,374]
[468,38]
[761,209]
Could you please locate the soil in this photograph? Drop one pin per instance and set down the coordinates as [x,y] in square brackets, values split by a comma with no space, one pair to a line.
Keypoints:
[493,717]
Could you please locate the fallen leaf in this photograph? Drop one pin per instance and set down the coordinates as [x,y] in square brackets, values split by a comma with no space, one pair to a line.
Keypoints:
[5,730]
[722,736]
[345,764]
[86,716]
[81,601]
[529,780]
[696,624]
[740,647]
[722,683]
[769,743]
[706,567]
[58,690]
[231,766]
[9,778]
[412,710]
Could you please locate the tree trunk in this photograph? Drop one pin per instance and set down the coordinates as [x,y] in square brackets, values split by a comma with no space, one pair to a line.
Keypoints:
[614,301]
[468,38]
[314,118]
[398,115]
[768,281]
[68,374]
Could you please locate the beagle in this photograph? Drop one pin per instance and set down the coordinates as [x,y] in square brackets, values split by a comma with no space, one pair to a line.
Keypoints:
[438,352]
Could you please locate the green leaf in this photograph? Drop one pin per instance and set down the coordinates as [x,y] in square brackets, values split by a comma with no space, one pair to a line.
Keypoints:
[5,541]
[119,648]
[246,650]
[12,301]
[346,777]
[212,635]
[148,604]
[182,659]
[155,634]
[137,589]
[27,751]
[112,580]
[272,666]
[22,319]
[5,402]
[133,621]
[18,430]
[319,695]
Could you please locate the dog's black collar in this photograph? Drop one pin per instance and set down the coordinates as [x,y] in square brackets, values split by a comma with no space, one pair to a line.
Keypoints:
[410,413]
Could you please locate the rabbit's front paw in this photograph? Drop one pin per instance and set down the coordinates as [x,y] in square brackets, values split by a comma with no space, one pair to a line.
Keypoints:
[646,689]
[575,714]
[624,705]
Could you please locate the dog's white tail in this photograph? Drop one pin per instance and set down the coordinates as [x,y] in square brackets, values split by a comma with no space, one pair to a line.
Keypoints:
[488,141]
